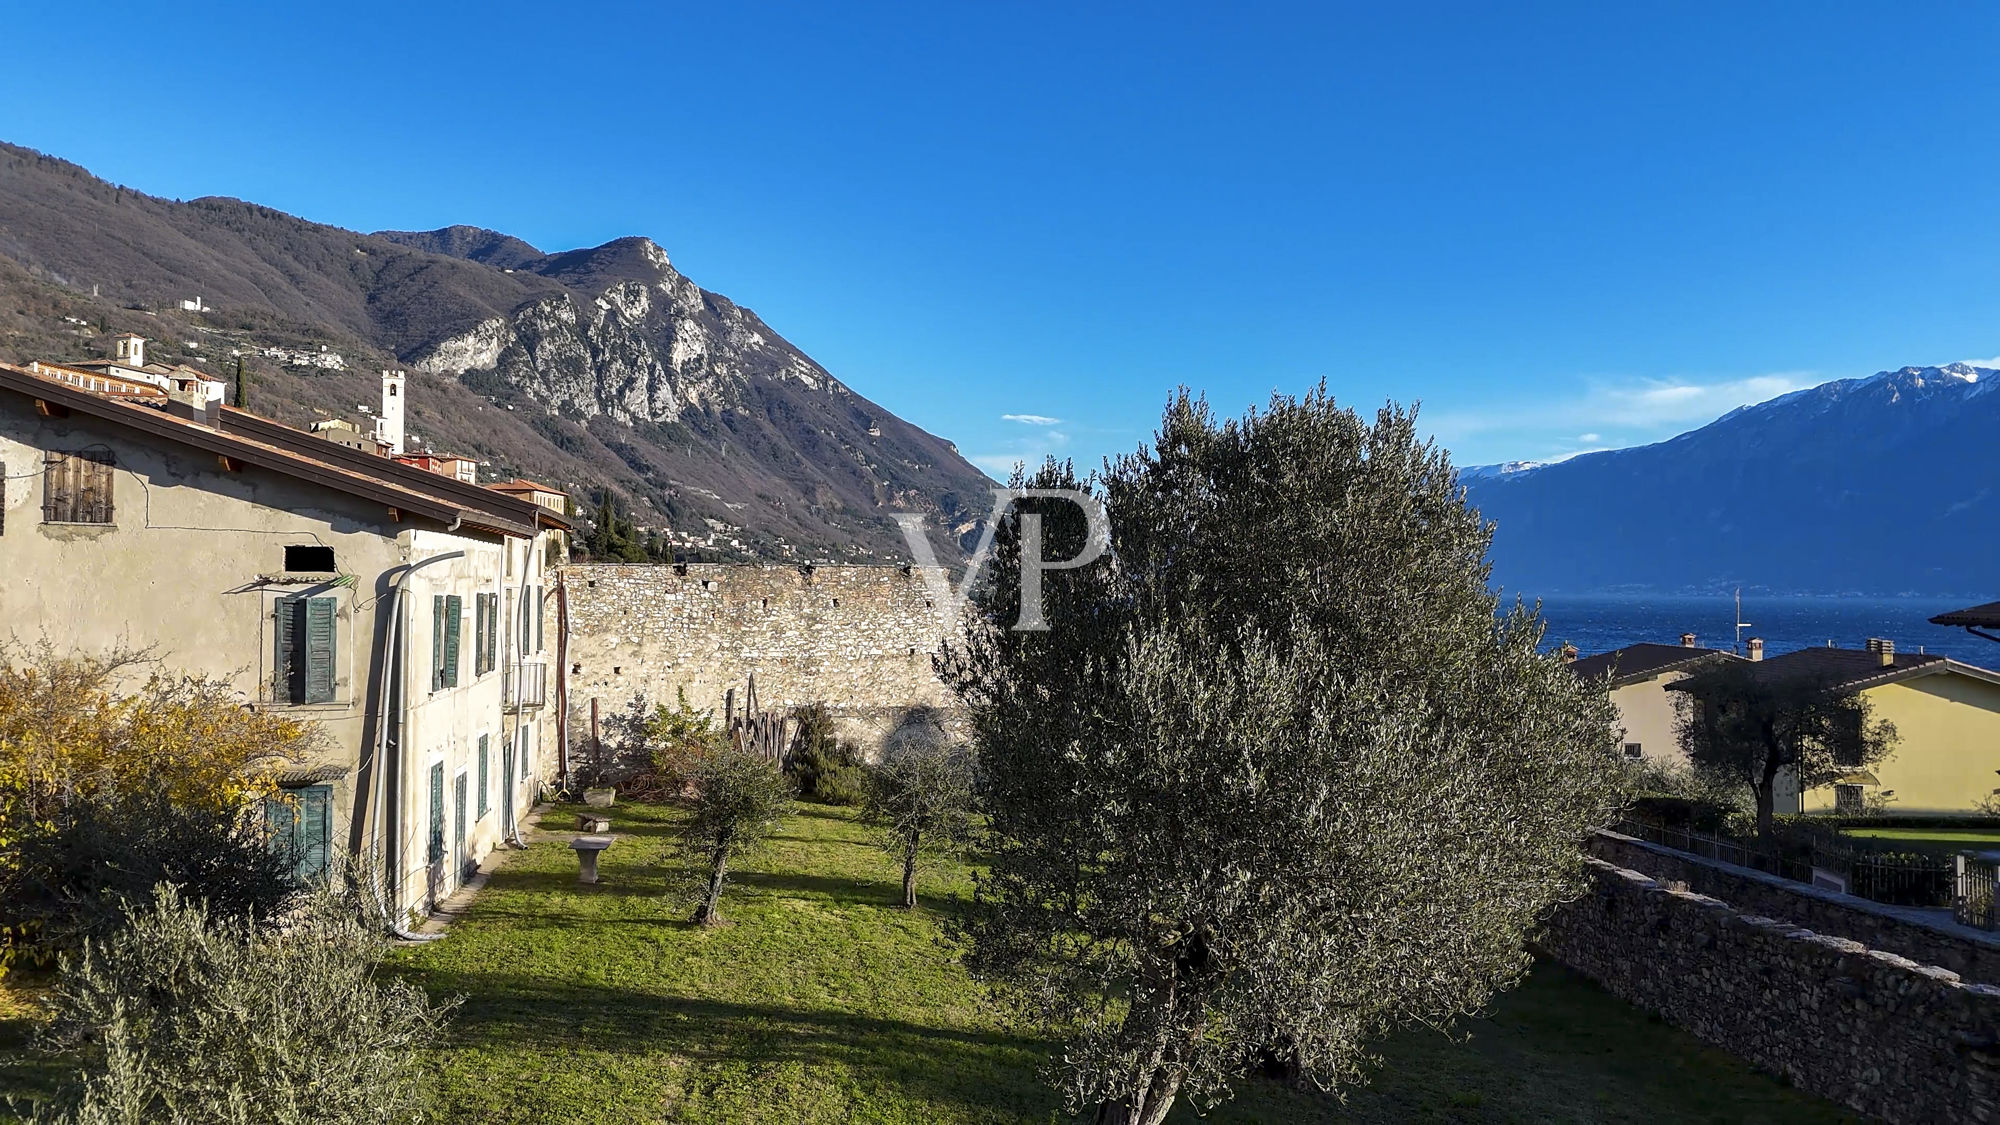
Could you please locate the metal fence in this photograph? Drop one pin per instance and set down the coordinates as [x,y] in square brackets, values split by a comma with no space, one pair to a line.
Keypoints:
[1972,900]
[1827,860]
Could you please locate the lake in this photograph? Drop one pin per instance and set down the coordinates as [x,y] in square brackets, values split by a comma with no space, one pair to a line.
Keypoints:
[1595,623]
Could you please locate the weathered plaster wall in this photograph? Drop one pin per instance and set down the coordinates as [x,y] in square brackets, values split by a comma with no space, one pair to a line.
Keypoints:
[1885,1035]
[1929,936]
[857,638]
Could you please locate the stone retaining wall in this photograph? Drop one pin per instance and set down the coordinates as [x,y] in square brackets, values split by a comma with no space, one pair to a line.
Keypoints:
[1927,936]
[1879,1033]
[857,638]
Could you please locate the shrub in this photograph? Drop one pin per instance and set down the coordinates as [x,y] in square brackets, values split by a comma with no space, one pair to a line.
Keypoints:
[828,769]
[151,775]
[93,861]
[186,1015]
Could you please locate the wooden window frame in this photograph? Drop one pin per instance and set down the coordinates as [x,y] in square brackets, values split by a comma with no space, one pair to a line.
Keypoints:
[79,488]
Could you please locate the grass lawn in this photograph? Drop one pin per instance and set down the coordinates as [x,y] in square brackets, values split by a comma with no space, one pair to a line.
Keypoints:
[822,1001]
[1937,840]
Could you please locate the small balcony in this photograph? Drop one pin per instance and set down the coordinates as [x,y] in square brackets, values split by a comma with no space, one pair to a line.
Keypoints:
[527,685]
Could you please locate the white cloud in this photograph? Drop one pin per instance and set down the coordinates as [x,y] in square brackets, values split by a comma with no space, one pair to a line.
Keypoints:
[1030,451]
[1994,362]
[1031,419]
[1646,405]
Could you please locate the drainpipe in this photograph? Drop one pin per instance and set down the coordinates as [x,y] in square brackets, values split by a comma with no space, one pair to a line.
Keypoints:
[395,671]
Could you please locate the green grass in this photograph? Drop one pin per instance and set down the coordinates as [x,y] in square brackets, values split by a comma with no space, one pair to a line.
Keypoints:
[823,1001]
[1941,840]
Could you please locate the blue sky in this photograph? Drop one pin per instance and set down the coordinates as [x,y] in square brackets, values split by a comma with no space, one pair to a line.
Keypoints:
[1021,226]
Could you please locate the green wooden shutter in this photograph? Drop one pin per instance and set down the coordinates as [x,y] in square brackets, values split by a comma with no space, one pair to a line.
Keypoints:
[437,813]
[315,831]
[541,610]
[437,642]
[285,620]
[493,631]
[485,782]
[458,850]
[454,624]
[479,634]
[319,649]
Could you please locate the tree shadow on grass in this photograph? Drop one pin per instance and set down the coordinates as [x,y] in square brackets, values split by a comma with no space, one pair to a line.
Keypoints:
[990,1072]
[788,884]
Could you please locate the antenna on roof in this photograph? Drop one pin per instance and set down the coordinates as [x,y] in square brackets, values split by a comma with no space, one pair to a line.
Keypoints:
[1740,623]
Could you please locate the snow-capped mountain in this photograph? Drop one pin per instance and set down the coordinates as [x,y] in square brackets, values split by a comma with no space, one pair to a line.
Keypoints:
[1884,485]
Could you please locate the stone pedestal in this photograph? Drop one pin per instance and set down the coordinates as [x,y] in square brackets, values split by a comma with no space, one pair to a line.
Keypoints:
[587,848]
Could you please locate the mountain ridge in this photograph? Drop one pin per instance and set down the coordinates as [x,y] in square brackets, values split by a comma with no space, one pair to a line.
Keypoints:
[1869,485]
[594,367]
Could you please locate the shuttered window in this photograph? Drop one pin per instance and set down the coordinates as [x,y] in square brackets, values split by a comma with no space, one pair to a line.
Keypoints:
[307,647]
[479,634]
[436,850]
[540,612]
[76,488]
[492,631]
[485,781]
[527,626]
[447,620]
[301,826]
[454,623]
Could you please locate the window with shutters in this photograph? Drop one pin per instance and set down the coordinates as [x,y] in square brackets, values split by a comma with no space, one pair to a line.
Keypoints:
[492,631]
[447,623]
[435,851]
[308,643]
[540,612]
[300,821]
[76,487]
[479,634]
[485,781]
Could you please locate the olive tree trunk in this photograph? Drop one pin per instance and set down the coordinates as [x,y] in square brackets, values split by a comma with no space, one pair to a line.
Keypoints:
[709,913]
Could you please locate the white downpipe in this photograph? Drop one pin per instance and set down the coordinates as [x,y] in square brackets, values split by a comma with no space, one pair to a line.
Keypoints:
[400,665]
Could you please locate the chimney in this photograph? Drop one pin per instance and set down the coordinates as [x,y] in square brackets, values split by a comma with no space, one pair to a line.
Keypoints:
[1687,640]
[1884,650]
[389,424]
[1569,654]
[130,350]
[1756,646]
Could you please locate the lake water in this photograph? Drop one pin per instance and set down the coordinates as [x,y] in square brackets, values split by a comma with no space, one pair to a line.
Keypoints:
[1599,622]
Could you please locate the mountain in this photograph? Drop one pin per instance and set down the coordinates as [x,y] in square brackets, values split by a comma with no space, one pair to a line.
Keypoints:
[1883,485]
[594,368]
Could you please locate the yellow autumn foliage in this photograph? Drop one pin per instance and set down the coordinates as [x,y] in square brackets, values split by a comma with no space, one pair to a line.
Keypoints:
[85,726]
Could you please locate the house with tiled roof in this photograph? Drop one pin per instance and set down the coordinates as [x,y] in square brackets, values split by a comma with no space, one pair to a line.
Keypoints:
[1947,718]
[1637,677]
[398,609]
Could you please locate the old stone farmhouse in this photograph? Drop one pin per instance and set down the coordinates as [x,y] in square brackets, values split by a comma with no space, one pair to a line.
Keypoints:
[397,608]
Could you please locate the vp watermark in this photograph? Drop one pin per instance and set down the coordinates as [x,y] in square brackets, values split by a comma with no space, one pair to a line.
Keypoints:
[1097,540]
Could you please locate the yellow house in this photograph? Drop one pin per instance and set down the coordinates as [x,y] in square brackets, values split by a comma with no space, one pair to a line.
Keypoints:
[1637,677]
[1947,719]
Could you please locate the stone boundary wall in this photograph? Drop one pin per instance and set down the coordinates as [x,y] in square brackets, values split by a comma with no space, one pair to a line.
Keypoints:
[1878,1033]
[1928,936]
[857,638]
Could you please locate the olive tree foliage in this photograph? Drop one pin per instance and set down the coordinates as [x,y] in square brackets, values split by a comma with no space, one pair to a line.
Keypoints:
[192,1016]
[1753,723]
[735,798]
[921,799]
[1277,777]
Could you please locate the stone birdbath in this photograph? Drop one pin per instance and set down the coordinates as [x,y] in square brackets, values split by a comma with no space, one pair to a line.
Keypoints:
[587,848]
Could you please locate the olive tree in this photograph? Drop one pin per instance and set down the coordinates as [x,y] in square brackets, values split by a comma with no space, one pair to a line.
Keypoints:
[1752,723]
[735,799]
[189,1015]
[921,797]
[1278,776]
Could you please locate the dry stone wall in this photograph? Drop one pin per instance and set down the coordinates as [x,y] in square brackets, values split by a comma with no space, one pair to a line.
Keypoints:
[857,638]
[1882,1034]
